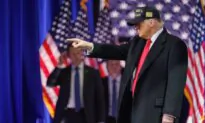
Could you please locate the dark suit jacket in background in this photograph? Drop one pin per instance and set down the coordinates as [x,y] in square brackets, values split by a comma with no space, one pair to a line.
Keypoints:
[106,93]
[92,93]
[161,82]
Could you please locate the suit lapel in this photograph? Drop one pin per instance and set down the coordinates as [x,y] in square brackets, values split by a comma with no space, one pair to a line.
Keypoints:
[85,80]
[67,82]
[135,56]
[154,52]
[66,86]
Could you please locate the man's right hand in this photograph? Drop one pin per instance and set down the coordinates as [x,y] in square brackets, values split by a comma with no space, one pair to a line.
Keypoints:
[62,60]
[78,43]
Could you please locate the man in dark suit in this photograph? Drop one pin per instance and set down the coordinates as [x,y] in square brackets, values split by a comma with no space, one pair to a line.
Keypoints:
[112,86]
[153,81]
[81,91]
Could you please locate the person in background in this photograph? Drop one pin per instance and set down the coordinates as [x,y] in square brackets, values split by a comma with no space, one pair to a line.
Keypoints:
[111,89]
[81,91]
[154,77]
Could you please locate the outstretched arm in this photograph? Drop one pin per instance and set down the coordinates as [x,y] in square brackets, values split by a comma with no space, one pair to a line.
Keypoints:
[105,51]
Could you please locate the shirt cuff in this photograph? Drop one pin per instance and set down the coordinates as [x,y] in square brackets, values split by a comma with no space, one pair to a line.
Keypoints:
[168,115]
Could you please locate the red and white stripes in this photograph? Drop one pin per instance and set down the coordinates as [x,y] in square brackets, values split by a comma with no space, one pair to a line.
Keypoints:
[194,89]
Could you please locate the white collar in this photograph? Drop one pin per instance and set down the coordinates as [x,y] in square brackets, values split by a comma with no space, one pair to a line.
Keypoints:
[156,35]
[118,78]
[80,66]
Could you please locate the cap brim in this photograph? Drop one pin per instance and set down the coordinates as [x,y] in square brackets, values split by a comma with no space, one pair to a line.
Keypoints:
[132,22]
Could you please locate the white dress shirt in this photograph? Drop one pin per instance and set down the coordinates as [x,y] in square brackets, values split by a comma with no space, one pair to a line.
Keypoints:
[110,88]
[155,36]
[71,101]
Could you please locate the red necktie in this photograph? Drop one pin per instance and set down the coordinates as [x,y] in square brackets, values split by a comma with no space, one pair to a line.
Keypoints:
[141,62]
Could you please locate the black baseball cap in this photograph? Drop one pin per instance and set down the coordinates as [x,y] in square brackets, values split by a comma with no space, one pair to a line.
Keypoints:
[143,13]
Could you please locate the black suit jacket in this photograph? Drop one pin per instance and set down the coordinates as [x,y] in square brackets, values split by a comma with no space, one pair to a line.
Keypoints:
[161,80]
[106,93]
[93,93]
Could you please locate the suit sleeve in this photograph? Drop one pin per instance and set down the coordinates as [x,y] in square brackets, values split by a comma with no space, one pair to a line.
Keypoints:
[54,78]
[107,51]
[100,97]
[177,70]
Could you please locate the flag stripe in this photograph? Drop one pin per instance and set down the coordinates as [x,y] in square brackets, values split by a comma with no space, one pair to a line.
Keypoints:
[47,46]
[201,60]
[93,62]
[46,72]
[103,70]
[53,47]
[194,71]
[195,109]
[194,91]
[198,67]
[51,93]
[194,83]
[203,45]
[49,52]
[189,95]
[44,68]
[49,100]
[45,61]
[48,104]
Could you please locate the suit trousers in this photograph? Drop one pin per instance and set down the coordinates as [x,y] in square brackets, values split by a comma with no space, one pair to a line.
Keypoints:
[71,116]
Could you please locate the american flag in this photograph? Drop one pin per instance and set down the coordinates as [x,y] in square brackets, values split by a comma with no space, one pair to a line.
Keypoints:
[81,30]
[50,51]
[195,76]
[80,27]
[102,32]
[185,19]
[103,35]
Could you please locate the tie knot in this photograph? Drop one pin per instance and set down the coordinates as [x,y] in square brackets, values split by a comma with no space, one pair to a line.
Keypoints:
[149,41]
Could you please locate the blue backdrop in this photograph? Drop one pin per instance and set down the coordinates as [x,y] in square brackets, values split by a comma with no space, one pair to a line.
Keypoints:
[23,26]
